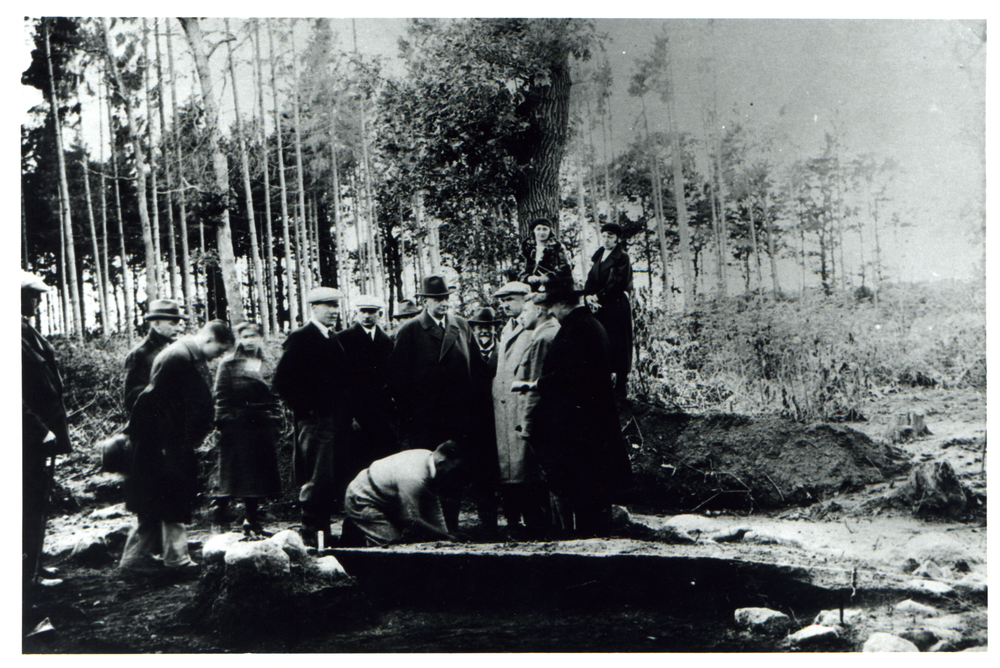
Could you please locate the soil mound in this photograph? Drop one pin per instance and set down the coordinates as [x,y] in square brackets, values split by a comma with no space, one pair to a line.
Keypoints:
[713,462]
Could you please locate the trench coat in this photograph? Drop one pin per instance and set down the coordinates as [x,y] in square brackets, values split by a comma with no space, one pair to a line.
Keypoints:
[368,379]
[169,421]
[139,364]
[514,340]
[574,425]
[530,369]
[609,280]
[249,421]
[430,379]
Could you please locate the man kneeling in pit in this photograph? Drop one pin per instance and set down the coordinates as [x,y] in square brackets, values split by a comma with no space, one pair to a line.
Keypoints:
[395,500]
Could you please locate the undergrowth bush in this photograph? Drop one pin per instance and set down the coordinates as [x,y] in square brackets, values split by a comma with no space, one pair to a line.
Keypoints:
[817,358]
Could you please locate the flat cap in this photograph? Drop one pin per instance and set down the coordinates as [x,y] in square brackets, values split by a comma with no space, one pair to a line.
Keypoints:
[368,301]
[513,288]
[32,282]
[323,294]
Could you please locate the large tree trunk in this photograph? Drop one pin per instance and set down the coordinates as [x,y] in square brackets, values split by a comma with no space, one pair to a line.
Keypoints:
[140,179]
[76,326]
[187,271]
[224,241]
[258,274]
[293,306]
[266,180]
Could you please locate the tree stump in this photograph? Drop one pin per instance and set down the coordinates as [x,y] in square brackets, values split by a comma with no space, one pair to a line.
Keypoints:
[906,427]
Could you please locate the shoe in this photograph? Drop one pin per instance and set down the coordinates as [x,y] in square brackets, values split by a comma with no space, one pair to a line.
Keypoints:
[189,564]
[255,529]
[141,566]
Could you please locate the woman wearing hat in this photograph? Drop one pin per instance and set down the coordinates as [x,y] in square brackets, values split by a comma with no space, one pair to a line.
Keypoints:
[608,284]
[249,420]
[543,256]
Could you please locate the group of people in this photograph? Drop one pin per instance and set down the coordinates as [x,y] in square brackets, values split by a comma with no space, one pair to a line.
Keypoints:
[394,430]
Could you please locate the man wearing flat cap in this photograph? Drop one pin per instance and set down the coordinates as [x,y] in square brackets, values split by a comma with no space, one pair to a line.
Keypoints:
[430,376]
[311,377]
[166,321]
[367,348]
[44,430]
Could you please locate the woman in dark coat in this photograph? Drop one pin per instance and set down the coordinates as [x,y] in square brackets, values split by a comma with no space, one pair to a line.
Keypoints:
[543,256]
[607,288]
[249,420]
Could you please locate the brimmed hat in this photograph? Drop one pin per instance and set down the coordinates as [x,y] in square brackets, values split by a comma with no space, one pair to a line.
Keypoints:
[614,228]
[30,281]
[407,309]
[556,290]
[322,294]
[513,288]
[540,221]
[434,286]
[165,309]
[485,316]
[368,301]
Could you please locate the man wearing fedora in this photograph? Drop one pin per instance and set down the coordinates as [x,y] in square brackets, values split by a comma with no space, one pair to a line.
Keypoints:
[483,468]
[574,430]
[367,348]
[408,310]
[166,321]
[430,376]
[312,379]
[44,431]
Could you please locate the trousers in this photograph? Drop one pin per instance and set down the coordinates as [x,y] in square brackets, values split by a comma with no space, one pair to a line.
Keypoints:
[148,535]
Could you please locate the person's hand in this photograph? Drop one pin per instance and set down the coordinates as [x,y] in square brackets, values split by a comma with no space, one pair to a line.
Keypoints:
[355,426]
[49,438]
[592,302]
[614,378]
[534,279]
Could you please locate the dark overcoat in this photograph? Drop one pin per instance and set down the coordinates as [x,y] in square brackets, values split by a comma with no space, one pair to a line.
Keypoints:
[483,447]
[575,434]
[249,422]
[609,280]
[368,380]
[430,379]
[42,408]
[170,419]
[139,364]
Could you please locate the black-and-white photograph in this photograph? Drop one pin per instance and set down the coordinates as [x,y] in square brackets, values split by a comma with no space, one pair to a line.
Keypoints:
[502,335]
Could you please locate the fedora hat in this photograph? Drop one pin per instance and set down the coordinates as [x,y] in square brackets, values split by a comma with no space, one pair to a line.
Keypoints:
[165,309]
[485,316]
[407,309]
[556,290]
[434,286]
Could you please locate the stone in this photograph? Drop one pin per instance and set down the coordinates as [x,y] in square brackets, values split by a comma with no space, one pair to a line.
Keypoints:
[214,550]
[942,646]
[922,638]
[911,607]
[954,622]
[91,550]
[109,512]
[291,542]
[769,539]
[620,517]
[832,617]
[812,634]
[941,633]
[929,569]
[262,557]
[762,620]
[331,568]
[972,583]
[673,535]
[733,534]
[886,642]
[930,587]
[933,489]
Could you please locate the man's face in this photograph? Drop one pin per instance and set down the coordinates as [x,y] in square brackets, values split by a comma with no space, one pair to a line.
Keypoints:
[530,313]
[168,328]
[250,340]
[367,317]
[512,305]
[30,299]
[436,306]
[484,334]
[326,313]
[213,348]
[560,310]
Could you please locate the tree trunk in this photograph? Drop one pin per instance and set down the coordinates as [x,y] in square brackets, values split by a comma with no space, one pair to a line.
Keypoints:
[266,180]
[770,245]
[684,232]
[258,274]
[224,241]
[175,289]
[102,297]
[661,234]
[301,225]
[187,270]
[293,306]
[154,201]
[581,214]
[25,261]
[339,254]
[126,277]
[76,325]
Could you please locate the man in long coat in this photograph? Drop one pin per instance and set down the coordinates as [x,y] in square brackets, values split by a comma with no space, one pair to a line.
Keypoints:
[574,426]
[169,421]
[166,322]
[44,430]
[312,379]
[430,378]
[367,348]
[482,466]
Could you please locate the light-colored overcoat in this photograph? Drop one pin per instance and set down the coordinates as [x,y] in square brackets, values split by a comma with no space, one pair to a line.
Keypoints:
[514,340]
[530,370]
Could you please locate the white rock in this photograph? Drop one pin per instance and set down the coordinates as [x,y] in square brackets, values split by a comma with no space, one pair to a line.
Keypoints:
[91,550]
[953,622]
[811,634]
[214,550]
[932,587]
[330,567]
[291,542]
[949,635]
[929,569]
[763,620]
[911,607]
[942,646]
[973,583]
[832,617]
[110,512]
[886,642]
[733,534]
[770,539]
[262,556]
